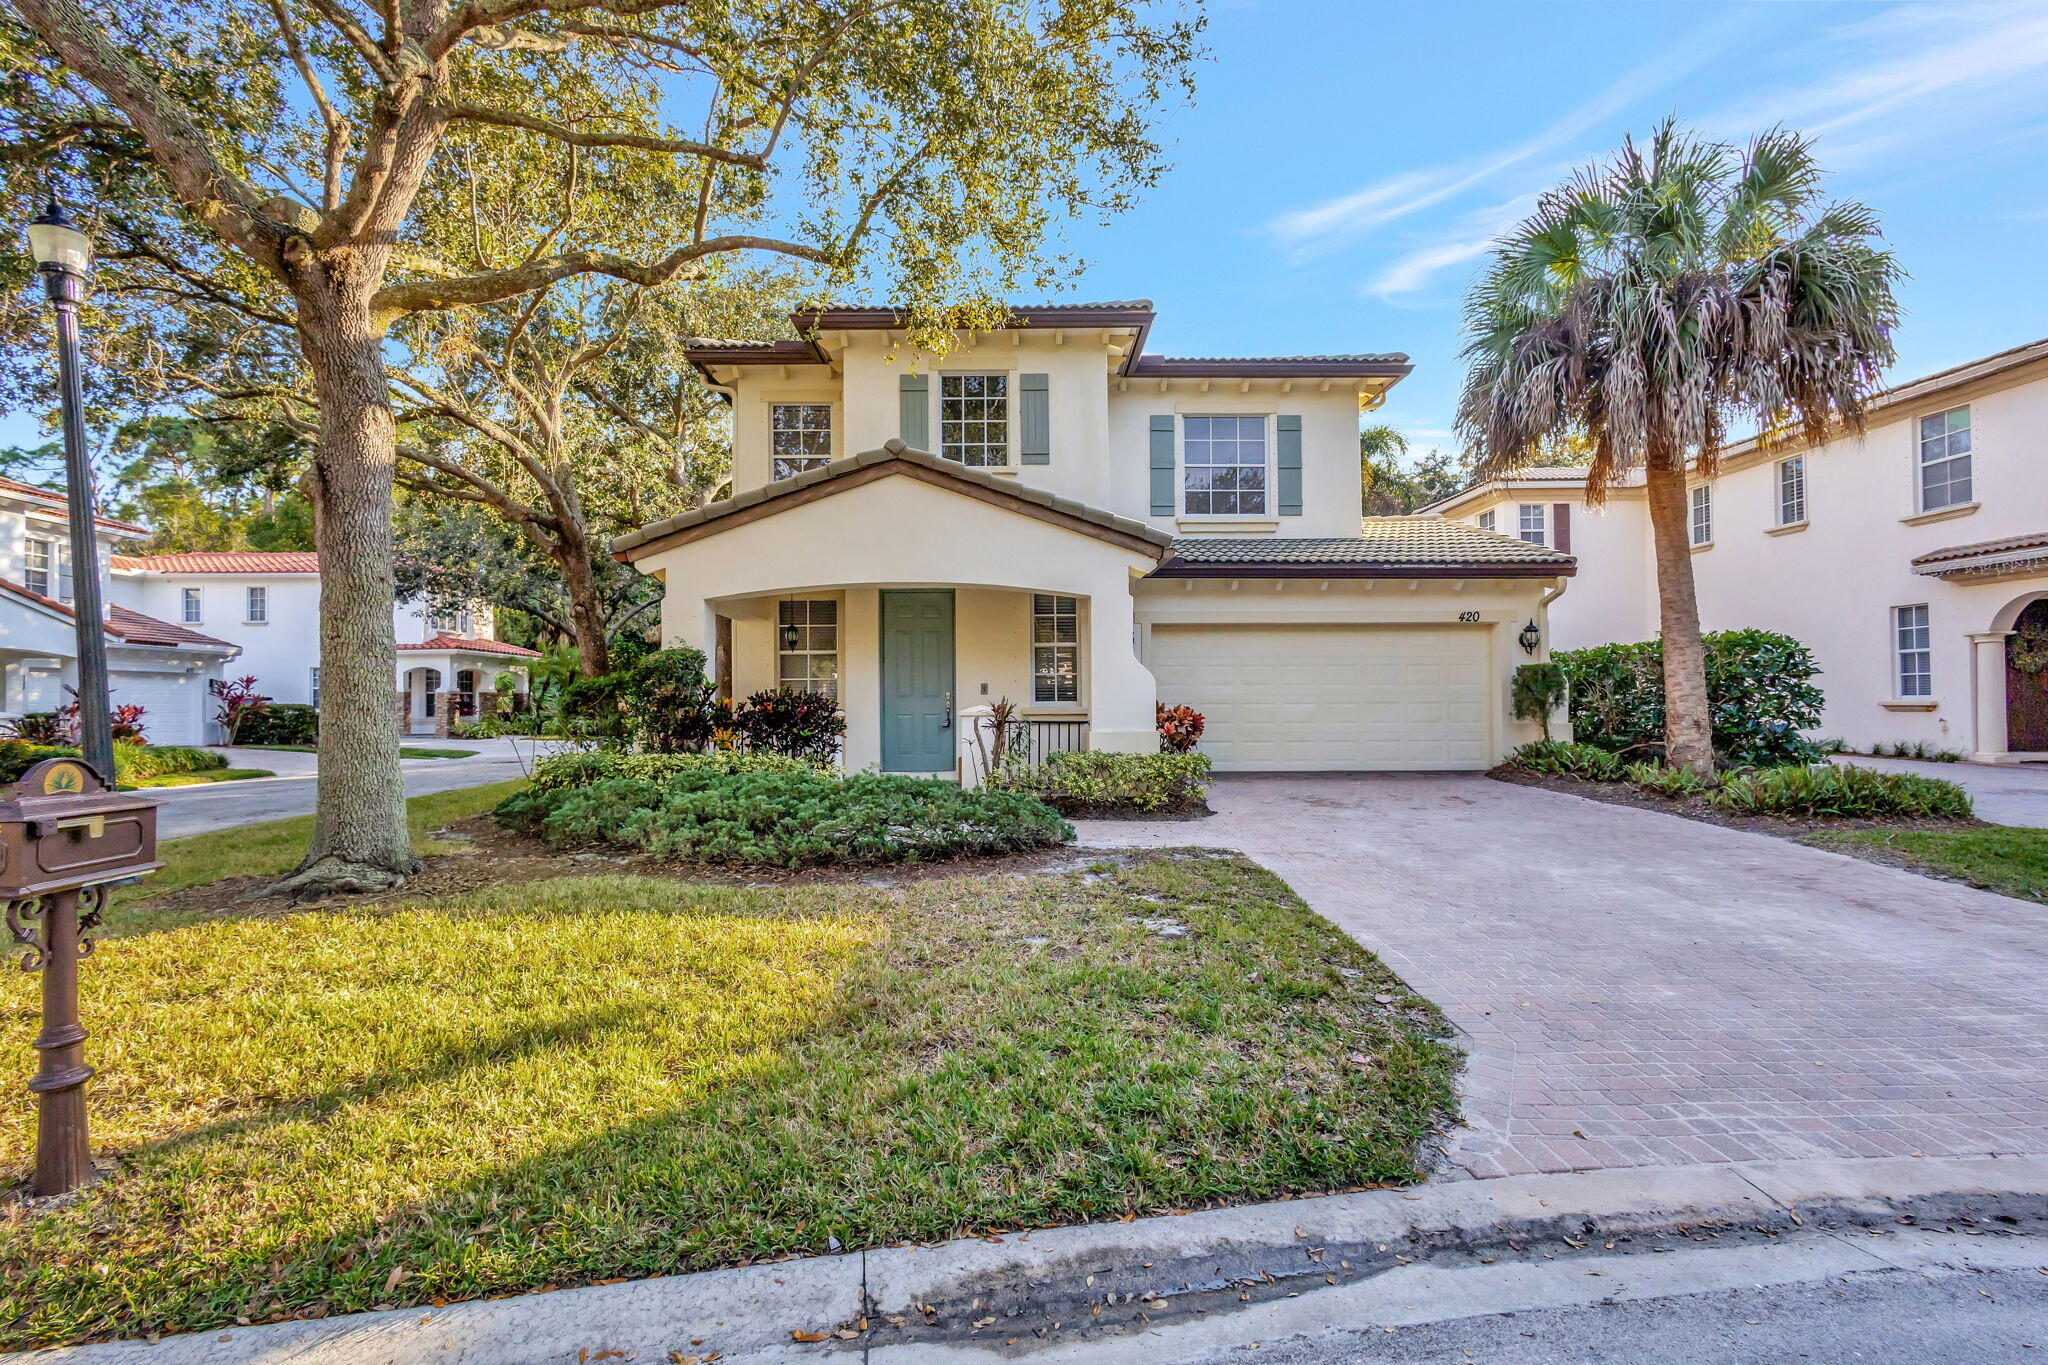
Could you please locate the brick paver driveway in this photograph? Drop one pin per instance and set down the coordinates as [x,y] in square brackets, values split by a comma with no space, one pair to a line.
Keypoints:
[1637,989]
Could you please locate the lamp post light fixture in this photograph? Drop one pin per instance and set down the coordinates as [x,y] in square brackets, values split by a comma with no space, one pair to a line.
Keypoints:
[1530,638]
[63,257]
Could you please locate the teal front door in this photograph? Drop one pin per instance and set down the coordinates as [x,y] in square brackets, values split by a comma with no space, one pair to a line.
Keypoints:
[917,680]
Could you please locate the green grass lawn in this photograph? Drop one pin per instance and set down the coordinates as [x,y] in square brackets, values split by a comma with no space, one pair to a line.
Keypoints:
[196,778]
[557,1082]
[436,753]
[2009,859]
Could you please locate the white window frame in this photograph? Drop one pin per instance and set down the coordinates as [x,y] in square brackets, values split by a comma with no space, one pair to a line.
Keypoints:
[1533,530]
[1487,520]
[1952,446]
[256,605]
[313,688]
[1055,661]
[1792,491]
[191,606]
[957,451]
[1699,515]
[450,623]
[801,614]
[787,466]
[39,577]
[1912,653]
[1268,475]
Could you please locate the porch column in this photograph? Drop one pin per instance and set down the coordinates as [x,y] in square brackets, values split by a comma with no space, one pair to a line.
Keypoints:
[1987,656]
[1122,696]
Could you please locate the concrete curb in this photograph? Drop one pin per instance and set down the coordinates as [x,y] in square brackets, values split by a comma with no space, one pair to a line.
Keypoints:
[1215,1259]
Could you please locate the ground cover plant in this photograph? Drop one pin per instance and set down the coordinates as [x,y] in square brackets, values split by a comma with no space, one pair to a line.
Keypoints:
[1109,784]
[789,817]
[134,764]
[1791,791]
[405,1102]
[602,765]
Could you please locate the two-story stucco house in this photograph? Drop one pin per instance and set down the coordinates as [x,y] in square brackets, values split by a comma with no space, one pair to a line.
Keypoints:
[268,604]
[152,662]
[1050,515]
[1913,559]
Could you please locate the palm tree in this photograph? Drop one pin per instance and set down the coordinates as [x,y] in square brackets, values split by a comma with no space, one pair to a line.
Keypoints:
[1380,448]
[1651,301]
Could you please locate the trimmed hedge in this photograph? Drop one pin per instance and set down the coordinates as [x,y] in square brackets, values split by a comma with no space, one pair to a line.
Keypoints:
[794,817]
[606,765]
[1096,783]
[1759,689]
[281,722]
[1846,793]
[130,760]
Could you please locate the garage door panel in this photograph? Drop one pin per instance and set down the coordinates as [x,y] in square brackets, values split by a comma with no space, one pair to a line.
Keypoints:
[1330,697]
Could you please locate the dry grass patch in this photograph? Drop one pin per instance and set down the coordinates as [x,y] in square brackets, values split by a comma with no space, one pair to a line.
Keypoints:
[592,1077]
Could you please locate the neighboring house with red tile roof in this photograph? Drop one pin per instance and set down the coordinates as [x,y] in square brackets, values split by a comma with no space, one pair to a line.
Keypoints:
[268,603]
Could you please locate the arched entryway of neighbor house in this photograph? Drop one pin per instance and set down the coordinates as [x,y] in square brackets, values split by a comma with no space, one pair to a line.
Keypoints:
[2026,677]
[422,696]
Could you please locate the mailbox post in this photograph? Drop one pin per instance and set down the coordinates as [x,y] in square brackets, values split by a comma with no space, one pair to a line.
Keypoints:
[63,836]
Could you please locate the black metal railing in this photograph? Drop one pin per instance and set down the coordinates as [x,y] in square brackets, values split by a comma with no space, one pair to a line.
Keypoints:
[1025,741]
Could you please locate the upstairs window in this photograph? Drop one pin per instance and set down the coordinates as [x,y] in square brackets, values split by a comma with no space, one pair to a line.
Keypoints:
[1223,466]
[1532,522]
[449,623]
[1055,648]
[974,419]
[258,606]
[1913,648]
[1702,520]
[800,438]
[190,607]
[38,567]
[1487,521]
[1792,491]
[807,647]
[1945,460]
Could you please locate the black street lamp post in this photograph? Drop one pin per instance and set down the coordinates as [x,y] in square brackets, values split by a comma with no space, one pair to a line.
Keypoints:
[64,257]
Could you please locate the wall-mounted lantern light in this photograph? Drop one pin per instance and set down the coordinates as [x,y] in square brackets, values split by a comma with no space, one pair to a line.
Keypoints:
[1530,638]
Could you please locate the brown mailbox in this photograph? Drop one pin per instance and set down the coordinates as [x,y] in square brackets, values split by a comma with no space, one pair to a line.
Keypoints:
[61,828]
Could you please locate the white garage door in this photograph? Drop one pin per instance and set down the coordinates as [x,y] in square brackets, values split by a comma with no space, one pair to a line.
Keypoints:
[1331,697]
[171,704]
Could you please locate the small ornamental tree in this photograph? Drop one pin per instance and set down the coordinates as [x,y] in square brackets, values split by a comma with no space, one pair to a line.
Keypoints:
[237,701]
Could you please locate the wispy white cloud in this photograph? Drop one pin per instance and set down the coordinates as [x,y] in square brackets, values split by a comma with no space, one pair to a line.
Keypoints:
[1319,228]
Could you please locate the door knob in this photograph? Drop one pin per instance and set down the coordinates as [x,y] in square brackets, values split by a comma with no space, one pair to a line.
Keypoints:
[947,723]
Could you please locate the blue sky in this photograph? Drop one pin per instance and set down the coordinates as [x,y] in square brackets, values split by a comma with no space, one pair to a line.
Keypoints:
[1345,163]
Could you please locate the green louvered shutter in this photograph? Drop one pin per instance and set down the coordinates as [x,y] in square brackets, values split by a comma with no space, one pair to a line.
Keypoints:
[915,395]
[1290,466]
[1162,464]
[1034,422]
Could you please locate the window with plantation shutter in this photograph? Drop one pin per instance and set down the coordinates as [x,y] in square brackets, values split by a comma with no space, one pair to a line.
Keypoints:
[1055,648]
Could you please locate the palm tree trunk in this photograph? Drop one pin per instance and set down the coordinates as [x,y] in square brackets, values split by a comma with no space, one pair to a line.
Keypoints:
[1688,717]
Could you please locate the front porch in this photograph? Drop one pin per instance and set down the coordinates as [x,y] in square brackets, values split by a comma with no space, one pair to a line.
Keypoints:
[915,667]
[442,688]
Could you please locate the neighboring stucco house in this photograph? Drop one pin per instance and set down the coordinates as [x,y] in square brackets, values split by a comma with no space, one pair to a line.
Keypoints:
[152,662]
[1913,560]
[268,604]
[1049,515]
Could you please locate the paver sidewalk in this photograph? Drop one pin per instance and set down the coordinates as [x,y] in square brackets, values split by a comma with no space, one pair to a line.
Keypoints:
[1637,989]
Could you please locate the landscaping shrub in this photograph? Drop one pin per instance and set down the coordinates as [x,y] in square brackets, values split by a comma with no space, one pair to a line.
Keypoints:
[605,765]
[42,727]
[1843,793]
[281,722]
[668,701]
[1918,748]
[131,761]
[1676,783]
[1180,728]
[792,722]
[1560,759]
[792,817]
[1538,690]
[1096,783]
[596,707]
[1759,687]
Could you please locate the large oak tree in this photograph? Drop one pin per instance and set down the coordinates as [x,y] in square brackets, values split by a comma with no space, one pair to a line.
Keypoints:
[281,164]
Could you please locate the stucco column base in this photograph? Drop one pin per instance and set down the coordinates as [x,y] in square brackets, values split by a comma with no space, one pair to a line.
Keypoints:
[1992,739]
[1123,696]
[1124,741]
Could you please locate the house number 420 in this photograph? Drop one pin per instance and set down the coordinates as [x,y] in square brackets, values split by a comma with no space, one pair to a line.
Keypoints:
[1468,616]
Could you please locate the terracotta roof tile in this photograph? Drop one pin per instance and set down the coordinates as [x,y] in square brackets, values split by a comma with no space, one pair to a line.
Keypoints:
[461,644]
[223,561]
[16,486]
[1383,543]
[129,627]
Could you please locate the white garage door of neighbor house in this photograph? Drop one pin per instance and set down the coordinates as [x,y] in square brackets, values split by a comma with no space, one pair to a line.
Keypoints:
[1330,697]
[170,705]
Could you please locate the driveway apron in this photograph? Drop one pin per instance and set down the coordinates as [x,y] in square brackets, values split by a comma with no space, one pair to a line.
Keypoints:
[1637,989]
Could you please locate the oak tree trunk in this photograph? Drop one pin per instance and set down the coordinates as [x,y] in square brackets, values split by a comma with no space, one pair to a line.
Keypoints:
[360,841]
[1688,717]
[586,604]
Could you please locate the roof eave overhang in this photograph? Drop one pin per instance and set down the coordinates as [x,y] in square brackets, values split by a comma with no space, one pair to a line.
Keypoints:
[1166,367]
[1182,568]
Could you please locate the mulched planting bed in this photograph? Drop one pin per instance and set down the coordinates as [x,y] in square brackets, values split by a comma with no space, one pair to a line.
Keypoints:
[1695,808]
